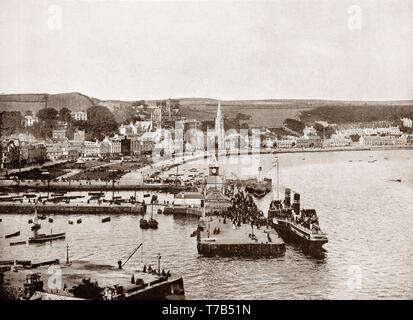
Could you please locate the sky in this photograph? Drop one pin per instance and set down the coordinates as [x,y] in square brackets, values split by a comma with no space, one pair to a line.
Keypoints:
[130,50]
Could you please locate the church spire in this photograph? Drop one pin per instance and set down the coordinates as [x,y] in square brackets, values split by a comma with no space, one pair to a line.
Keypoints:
[219,110]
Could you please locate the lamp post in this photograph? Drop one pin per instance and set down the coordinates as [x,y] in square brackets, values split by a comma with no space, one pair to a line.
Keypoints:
[47,175]
[113,185]
[159,263]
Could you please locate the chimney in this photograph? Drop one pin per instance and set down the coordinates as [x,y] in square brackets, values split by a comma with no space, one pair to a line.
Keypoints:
[296,205]
[287,198]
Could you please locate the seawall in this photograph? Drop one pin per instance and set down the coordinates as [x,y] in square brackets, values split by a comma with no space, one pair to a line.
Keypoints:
[25,208]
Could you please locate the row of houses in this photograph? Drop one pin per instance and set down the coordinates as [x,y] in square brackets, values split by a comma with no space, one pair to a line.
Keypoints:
[15,153]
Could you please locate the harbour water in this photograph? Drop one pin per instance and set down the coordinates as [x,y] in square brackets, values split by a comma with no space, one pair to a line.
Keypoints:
[367,215]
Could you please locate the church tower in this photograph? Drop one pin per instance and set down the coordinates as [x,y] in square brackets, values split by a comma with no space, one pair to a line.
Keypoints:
[219,128]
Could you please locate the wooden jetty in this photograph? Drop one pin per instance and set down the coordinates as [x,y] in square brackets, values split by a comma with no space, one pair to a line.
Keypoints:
[230,242]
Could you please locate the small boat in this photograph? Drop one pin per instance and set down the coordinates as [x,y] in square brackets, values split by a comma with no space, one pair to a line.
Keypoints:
[70,222]
[51,220]
[397,180]
[42,217]
[146,195]
[58,194]
[107,219]
[17,243]
[149,224]
[29,195]
[12,235]
[152,224]
[101,194]
[36,224]
[143,223]
[35,227]
[79,220]
[44,238]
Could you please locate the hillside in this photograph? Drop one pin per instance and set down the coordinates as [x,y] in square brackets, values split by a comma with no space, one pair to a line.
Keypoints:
[357,113]
[35,102]
[266,112]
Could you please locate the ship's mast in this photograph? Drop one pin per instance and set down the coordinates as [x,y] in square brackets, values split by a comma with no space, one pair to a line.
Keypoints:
[277,163]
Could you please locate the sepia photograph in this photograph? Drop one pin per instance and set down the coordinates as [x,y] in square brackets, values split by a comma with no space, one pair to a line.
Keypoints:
[229,151]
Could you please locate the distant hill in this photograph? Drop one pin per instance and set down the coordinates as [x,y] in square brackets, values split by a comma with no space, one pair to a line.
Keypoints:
[265,112]
[34,102]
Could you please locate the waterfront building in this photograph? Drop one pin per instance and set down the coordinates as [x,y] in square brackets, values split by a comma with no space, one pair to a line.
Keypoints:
[91,148]
[79,115]
[135,146]
[10,154]
[75,149]
[32,153]
[368,128]
[111,147]
[125,146]
[383,140]
[337,140]
[57,150]
[286,143]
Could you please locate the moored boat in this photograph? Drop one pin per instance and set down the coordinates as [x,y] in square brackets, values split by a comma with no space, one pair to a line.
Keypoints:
[107,219]
[295,225]
[17,243]
[46,237]
[15,234]
[143,223]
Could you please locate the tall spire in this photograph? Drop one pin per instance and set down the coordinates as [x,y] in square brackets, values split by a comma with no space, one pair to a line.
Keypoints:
[219,110]
[219,128]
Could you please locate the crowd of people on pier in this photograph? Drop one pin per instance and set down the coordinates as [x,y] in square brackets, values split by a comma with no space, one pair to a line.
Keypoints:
[245,210]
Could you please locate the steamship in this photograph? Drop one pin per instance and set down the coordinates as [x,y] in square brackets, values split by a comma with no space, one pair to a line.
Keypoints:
[296,225]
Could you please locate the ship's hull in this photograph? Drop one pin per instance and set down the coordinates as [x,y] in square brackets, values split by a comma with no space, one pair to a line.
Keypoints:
[290,234]
[47,238]
[168,290]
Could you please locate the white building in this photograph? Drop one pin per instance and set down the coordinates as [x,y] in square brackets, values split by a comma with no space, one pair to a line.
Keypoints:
[309,131]
[79,115]
[192,199]
[406,122]
[29,121]
[337,140]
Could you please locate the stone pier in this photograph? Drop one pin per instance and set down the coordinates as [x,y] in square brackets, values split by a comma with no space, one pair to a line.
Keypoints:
[230,242]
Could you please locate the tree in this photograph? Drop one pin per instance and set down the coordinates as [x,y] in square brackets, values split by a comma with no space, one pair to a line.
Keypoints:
[28,113]
[242,116]
[355,137]
[101,123]
[324,132]
[47,114]
[294,125]
[10,122]
[65,115]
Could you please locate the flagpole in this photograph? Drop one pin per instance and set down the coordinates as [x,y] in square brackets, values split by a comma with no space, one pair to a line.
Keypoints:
[278,180]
